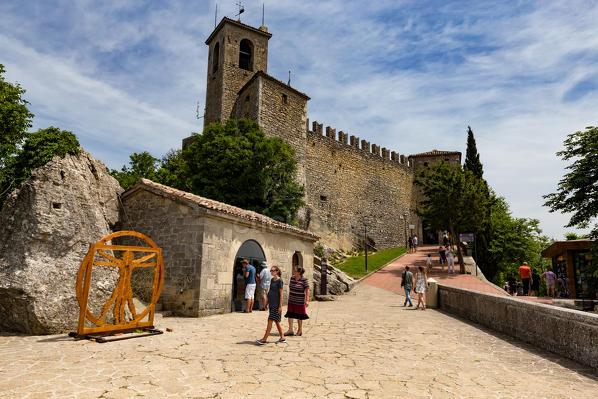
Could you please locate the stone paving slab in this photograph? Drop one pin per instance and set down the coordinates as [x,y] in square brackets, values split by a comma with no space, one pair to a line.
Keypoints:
[365,345]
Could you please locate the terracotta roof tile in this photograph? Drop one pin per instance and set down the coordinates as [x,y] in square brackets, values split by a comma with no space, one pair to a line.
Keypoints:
[185,197]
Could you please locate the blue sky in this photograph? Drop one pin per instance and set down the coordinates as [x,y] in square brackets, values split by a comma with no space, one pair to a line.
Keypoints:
[126,76]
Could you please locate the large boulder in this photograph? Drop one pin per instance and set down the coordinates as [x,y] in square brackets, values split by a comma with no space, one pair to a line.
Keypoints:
[47,226]
[337,281]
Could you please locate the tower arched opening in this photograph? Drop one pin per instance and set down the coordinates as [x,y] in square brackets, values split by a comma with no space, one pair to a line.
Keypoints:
[246,55]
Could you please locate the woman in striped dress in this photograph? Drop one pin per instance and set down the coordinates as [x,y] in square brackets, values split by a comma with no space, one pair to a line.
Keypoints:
[298,301]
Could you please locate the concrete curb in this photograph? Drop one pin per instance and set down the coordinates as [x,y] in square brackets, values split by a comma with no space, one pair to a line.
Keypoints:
[380,268]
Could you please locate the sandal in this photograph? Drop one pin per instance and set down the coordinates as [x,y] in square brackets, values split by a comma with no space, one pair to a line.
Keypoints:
[289,334]
[299,333]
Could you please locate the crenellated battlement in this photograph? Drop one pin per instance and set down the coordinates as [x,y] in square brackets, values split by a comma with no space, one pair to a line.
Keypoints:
[354,141]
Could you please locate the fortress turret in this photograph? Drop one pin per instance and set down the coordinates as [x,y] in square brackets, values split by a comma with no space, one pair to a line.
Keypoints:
[237,52]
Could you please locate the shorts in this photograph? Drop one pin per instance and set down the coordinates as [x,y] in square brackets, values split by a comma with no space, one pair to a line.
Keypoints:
[250,291]
[262,292]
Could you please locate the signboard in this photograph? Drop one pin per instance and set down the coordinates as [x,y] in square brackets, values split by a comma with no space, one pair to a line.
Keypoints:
[411,227]
[466,237]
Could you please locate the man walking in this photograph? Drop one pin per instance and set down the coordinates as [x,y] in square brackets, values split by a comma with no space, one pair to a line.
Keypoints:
[407,283]
[249,274]
[526,275]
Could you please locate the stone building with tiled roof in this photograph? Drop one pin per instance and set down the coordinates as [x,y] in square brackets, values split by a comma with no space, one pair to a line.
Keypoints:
[352,185]
[203,242]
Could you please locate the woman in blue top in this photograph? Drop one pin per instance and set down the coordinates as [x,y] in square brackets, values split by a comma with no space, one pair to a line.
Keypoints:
[274,303]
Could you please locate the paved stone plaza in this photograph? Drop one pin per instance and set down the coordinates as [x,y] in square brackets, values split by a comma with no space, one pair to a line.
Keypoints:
[365,345]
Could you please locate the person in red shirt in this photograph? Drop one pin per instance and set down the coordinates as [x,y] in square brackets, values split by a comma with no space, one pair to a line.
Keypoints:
[526,275]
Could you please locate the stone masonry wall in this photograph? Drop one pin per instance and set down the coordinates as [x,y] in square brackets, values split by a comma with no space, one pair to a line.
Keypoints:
[199,251]
[346,182]
[247,104]
[419,163]
[285,120]
[221,242]
[178,231]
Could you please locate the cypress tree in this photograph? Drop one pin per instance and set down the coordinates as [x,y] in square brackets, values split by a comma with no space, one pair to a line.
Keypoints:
[472,158]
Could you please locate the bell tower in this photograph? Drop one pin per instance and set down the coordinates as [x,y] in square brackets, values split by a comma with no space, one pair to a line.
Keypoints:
[236,52]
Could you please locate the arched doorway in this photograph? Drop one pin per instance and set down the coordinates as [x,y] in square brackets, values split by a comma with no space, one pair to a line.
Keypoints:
[253,252]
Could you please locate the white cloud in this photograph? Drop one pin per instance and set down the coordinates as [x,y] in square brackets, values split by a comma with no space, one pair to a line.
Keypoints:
[125,76]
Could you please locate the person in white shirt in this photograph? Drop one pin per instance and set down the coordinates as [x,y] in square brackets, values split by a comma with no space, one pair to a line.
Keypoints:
[450,257]
[264,285]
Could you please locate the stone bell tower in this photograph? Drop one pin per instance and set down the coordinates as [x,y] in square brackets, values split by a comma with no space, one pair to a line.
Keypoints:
[237,52]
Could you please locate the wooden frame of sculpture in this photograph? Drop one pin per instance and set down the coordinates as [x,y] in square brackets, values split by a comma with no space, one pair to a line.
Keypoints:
[123,293]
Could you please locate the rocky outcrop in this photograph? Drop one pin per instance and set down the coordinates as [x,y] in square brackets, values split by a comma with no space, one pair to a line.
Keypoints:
[47,226]
[337,281]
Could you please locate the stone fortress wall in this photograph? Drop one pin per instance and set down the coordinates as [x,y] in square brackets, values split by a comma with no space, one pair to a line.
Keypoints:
[353,185]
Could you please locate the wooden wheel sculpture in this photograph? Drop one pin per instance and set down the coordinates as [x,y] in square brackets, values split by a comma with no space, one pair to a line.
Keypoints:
[122,296]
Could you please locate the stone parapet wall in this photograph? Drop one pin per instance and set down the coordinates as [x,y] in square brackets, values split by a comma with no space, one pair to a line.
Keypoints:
[569,333]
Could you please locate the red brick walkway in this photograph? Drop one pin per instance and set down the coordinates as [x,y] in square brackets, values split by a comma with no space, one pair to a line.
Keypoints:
[389,277]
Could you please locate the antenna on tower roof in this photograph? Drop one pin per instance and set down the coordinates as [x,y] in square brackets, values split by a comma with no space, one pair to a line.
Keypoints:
[241,10]
[216,16]
[263,6]
[289,82]
[197,116]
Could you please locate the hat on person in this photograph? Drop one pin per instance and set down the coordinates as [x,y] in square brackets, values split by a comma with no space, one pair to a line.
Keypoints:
[264,263]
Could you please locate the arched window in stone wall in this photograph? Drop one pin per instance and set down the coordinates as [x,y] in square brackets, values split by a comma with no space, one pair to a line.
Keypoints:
[246,55]
[215,57]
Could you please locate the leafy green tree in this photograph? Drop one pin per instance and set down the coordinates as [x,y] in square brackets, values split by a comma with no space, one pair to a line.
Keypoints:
[512,242]
[173,170]
[39,148]
[233,163]
[455,200]
[15,119]
[472,158]
[141,165]
[574,236]
[482,230]
[237,164]
[577,191]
